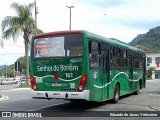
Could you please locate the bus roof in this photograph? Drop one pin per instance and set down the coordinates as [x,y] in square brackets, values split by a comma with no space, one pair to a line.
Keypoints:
[113,41]
[58,33]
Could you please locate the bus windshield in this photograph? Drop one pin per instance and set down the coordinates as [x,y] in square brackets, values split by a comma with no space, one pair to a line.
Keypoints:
[58,46]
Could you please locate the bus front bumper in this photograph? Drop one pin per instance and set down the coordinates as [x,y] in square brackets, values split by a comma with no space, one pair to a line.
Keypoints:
[60,95]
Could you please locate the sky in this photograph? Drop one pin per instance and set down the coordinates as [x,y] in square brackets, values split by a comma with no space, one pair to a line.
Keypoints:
[121,19]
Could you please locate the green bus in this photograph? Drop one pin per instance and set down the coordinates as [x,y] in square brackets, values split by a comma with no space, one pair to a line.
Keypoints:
[79,65]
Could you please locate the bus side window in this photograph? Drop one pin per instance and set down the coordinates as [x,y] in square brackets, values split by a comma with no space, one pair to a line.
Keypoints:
[95,54]
[116,57]
[141,61]
[124,59]
[136,60]
[90,44]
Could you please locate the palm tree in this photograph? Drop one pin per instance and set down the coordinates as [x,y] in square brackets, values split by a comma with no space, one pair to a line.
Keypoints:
[21,24]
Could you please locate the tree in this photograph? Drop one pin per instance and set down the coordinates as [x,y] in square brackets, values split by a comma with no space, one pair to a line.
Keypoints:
[150,71]
[21,24]
[7,72]
[22,64]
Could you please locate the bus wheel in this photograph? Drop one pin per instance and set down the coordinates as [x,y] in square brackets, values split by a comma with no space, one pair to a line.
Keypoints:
[116,93]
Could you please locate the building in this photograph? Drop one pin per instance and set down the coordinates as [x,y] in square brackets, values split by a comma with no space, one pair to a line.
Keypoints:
[152,61]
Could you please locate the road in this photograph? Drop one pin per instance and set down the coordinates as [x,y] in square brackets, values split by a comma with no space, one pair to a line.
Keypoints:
[20,100]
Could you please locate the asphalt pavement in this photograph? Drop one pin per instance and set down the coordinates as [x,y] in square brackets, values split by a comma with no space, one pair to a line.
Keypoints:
[153,97]
[8,87]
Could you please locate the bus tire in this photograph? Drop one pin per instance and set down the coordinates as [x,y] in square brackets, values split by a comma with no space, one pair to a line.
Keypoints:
[116,93]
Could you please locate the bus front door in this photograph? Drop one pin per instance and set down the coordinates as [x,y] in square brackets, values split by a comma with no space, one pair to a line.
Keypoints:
[106,72]
[130,71]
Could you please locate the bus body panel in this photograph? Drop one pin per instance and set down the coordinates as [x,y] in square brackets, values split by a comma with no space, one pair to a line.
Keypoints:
[61,95]
[61,77]
[95,78]
[68,73]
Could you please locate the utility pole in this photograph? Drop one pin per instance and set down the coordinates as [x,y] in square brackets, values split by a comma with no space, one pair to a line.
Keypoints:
[6,71]
[36,12]
[70,7]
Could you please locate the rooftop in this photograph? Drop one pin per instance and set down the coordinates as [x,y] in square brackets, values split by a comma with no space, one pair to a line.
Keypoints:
[147,50]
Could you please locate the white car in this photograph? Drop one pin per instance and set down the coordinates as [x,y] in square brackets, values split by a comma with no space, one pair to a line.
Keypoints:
[17,79]
[1,81]
[8,81]
[23,81]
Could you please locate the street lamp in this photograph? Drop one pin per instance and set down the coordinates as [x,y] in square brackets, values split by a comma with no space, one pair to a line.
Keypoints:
[70,7]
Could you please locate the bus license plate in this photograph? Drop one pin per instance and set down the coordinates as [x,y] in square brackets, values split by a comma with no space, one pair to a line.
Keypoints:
[56,84]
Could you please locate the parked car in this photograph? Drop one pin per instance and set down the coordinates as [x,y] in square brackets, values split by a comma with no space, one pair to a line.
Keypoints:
[23,81]
[17,79]
[8,81]
[1,81]
[4,82]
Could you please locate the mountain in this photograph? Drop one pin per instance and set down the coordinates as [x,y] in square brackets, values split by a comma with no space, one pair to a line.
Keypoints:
[151,39]
[2,67]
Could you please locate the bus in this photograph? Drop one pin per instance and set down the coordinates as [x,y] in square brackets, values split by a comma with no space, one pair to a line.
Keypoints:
[80,65]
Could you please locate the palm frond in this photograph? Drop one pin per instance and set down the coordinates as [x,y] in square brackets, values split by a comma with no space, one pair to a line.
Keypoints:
[24,23]
[7,34]
[29,8]
[39,31]
[31,5]
[23,10]
[19,9]
[1,43]
[11,27]
[6,22]
[13,31]
[11,21]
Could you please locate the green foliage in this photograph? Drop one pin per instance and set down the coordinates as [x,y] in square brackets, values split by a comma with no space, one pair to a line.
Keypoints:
[24,86]
[149,40]
[22,64]
[149,79]
[7,71]
[13,26]
[10,68]
[149,72]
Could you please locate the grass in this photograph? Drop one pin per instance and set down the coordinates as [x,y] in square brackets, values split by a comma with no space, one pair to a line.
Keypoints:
[152,79]
[24,86]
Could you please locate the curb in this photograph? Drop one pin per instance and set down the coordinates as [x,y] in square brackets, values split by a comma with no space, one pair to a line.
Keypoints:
[21,89]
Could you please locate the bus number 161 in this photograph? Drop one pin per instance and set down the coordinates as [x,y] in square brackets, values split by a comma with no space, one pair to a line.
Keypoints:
[69,75]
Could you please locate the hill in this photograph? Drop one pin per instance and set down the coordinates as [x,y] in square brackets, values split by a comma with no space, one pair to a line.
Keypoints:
[10,68]
[2,67]
[151,39]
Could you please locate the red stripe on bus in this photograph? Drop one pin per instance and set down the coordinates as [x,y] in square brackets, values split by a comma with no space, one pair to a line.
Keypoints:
[58,33]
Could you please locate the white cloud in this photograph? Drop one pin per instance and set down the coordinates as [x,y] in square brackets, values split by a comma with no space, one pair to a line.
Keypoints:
[136,10]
